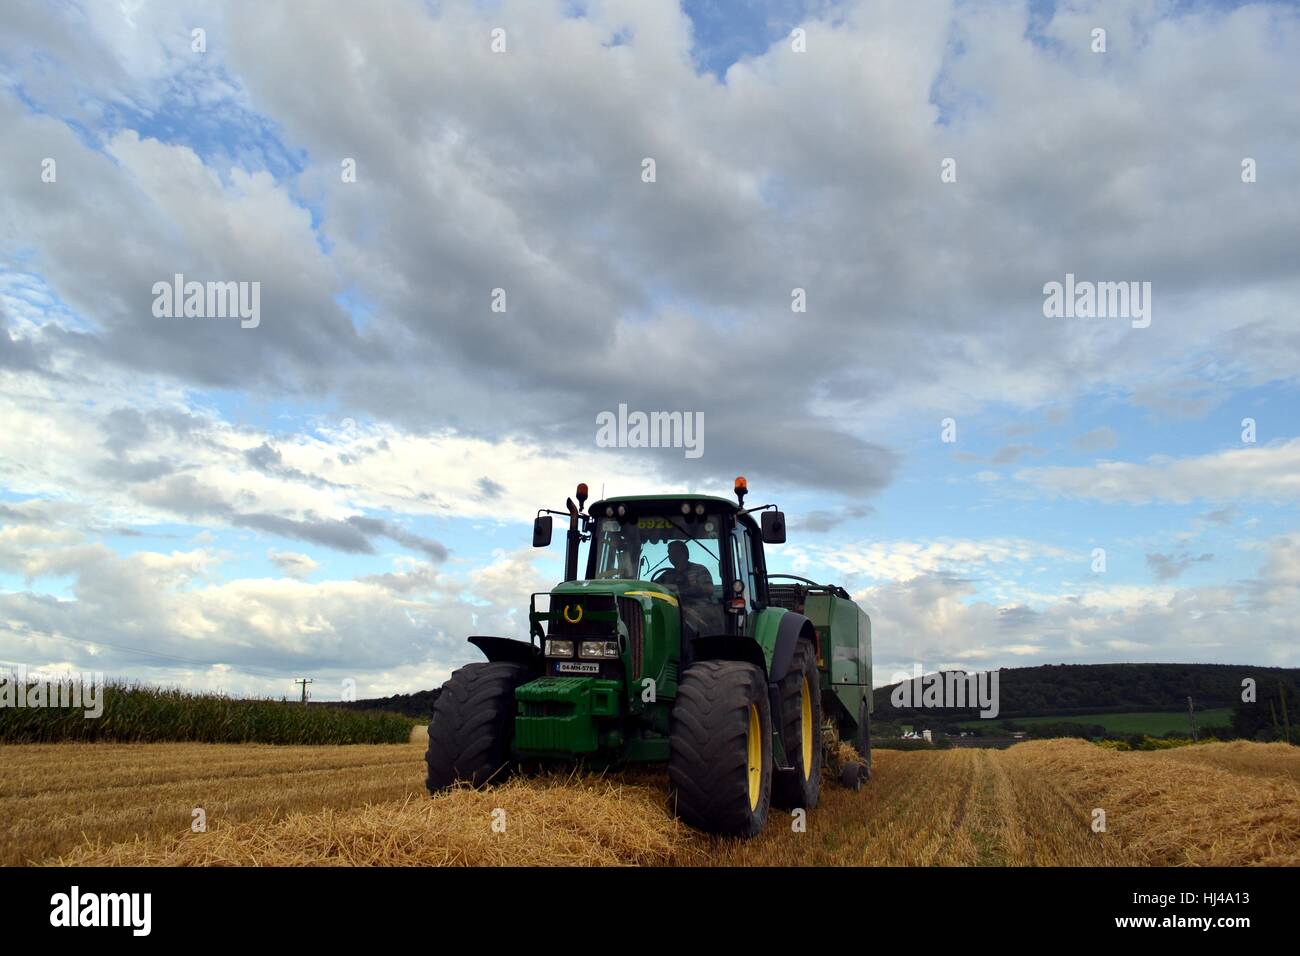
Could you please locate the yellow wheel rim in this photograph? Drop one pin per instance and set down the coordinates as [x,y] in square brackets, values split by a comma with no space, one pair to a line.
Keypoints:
[755,747]
[806,728]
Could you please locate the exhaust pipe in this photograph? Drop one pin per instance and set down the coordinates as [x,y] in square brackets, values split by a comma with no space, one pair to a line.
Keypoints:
[575,538]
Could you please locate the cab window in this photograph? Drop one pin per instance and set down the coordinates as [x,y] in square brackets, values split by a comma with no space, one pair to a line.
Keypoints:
[742,561]
[639,548]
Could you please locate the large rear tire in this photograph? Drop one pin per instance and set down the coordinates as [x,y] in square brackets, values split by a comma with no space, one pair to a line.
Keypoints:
[801,712]
[473,724]
[720,759]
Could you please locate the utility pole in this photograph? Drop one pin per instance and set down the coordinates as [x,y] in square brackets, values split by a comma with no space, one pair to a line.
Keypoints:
[304,681]
[1191,715]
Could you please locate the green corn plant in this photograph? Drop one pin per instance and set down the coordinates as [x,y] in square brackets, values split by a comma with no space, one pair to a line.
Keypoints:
[136,713]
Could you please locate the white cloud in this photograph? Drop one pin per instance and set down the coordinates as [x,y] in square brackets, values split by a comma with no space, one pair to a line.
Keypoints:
[153,616]
[607,274]
[163,460]
[293,563]
[936,620]
[902,560]
[1265,472]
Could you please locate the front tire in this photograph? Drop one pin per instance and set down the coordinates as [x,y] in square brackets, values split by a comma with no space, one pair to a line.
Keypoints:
[720,758]
[473,724]
[801,711]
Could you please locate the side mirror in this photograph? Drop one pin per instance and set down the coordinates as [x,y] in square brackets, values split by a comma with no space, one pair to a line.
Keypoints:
[542,531]
[773,525]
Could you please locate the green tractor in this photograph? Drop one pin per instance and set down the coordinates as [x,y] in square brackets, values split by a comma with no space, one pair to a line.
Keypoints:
[673,646]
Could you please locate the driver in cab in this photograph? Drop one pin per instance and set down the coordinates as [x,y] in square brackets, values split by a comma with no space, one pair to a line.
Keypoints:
[694,585]
[689,580]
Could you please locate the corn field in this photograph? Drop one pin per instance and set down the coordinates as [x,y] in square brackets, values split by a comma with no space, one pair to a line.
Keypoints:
[140,714]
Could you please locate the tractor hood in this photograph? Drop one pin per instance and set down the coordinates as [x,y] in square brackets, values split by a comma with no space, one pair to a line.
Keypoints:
[640,616]
[615,587]
[595,607]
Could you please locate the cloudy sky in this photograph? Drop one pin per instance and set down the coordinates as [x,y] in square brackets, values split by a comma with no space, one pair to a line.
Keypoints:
[345,490]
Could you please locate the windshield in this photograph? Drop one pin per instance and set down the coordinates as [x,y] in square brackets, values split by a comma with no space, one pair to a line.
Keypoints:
[679,551]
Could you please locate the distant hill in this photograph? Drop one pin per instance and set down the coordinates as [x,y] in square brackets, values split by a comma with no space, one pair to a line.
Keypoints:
[1081,689]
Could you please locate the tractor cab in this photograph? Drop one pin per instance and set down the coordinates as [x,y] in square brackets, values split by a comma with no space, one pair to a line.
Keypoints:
[686,547]
[705,550]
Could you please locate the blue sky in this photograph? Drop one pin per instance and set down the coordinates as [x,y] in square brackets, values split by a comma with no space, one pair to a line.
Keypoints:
[727,30]
[346,489]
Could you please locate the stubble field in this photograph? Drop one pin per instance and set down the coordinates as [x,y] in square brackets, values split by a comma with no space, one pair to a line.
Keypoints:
[1032,805]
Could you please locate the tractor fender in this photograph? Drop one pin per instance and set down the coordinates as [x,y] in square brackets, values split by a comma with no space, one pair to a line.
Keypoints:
[789,629]
[725,647]
[508,649]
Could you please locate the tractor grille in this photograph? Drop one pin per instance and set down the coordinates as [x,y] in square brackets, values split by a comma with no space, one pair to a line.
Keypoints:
[586,627]
[629,609]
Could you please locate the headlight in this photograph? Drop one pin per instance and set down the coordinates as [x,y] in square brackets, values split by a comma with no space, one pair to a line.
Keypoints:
[598,649]
[559,648]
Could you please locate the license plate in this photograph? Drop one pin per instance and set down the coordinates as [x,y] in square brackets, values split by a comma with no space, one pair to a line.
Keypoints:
[565,667]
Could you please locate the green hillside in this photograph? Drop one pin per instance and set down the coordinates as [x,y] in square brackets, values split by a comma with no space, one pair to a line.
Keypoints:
[1123,699]
[1153,724]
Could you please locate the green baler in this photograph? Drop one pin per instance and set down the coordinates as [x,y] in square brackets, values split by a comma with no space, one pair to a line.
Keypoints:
[674,646]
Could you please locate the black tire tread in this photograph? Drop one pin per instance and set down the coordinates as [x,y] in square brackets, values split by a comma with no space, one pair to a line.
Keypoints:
[469,735]
[789,788]
[708,759]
